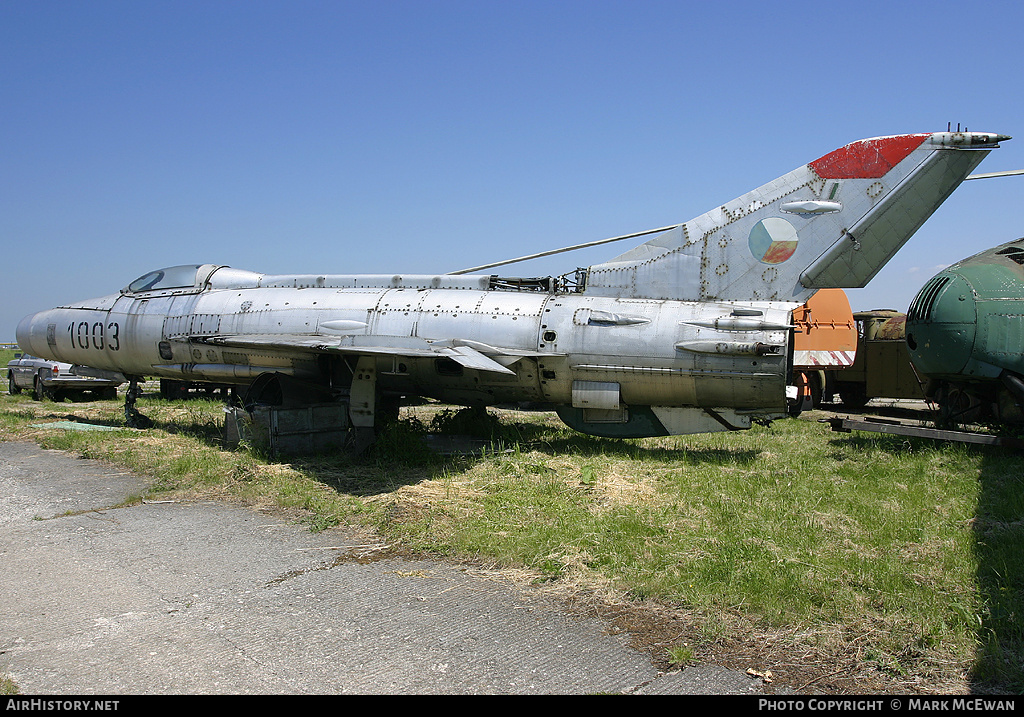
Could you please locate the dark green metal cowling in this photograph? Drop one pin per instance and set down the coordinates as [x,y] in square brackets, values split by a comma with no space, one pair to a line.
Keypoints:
[965,333]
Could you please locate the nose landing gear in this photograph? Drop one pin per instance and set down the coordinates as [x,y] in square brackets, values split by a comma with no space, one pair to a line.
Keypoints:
[132,417]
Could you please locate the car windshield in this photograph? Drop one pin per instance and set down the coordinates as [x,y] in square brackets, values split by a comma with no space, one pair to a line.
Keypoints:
[174,277]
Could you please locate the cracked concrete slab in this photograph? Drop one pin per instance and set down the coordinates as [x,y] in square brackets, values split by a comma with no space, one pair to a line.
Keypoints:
[208,598]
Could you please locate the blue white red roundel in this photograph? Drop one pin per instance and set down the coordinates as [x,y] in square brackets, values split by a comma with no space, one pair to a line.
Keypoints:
[772,240]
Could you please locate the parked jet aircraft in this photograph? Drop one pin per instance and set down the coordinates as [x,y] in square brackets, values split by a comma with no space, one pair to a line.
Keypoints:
[689,332]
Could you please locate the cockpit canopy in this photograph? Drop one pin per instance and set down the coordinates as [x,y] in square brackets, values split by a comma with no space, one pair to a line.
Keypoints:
[185,276]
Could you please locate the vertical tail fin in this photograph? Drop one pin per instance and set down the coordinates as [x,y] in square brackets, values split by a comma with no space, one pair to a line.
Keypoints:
[832,223]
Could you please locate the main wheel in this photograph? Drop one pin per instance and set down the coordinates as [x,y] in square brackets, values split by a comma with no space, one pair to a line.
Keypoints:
[958,405]
[797,405]
[853,395]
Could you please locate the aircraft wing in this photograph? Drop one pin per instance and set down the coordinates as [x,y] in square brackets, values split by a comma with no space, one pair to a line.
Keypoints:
[470,354]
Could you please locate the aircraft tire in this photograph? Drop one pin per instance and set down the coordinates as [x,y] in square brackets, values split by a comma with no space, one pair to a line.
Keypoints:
[853,395]
[958,405]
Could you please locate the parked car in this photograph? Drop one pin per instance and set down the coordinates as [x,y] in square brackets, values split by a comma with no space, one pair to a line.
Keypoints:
[54,380]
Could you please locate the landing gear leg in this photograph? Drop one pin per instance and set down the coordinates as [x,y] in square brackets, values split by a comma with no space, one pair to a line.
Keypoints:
[362,405]
[132,417]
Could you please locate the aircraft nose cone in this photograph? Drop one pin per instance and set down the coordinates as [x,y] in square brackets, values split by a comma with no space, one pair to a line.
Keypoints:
[942,325]
[28,340]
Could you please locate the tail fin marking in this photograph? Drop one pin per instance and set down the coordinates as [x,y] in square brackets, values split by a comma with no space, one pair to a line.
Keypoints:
[832,223]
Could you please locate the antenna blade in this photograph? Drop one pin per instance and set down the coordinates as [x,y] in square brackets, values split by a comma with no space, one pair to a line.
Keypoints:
[989,175]
[564,249]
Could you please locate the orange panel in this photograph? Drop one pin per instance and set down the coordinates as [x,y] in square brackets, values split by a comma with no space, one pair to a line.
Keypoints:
[826,334]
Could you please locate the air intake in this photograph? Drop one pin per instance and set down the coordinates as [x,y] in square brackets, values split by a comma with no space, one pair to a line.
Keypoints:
[1014,253]
[924,302]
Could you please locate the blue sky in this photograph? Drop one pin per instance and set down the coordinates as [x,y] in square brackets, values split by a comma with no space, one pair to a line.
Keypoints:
[426,136]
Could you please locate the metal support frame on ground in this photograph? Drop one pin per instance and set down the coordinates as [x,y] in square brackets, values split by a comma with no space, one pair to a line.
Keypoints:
[897,428]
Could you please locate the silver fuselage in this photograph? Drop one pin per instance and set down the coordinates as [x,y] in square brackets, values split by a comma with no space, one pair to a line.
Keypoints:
[647,352]
[688,332]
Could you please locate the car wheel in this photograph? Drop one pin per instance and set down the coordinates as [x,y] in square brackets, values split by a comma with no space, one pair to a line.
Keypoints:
[41,392]
[12,388]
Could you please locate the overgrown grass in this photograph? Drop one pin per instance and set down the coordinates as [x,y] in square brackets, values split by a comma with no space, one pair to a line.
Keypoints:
[5,356]
[899,557]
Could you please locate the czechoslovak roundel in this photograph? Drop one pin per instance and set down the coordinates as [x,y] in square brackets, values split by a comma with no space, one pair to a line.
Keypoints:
[772,240]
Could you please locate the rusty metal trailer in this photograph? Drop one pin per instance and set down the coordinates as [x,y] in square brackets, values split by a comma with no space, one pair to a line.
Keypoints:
[882,367]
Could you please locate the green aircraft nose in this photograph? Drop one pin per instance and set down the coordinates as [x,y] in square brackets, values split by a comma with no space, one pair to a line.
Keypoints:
[941,325]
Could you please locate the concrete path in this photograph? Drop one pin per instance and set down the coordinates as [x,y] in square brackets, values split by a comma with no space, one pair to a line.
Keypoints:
[208,598]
